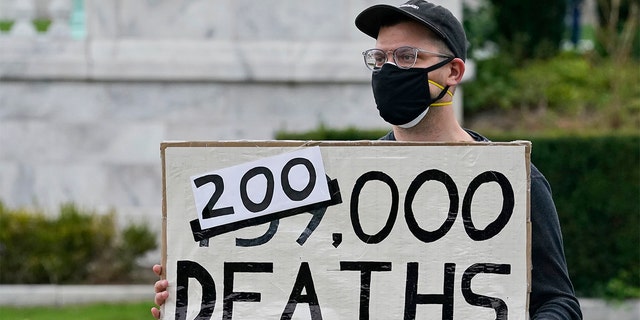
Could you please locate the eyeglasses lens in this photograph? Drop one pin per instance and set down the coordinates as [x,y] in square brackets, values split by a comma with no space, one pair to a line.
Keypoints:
[375,58]
[405,57]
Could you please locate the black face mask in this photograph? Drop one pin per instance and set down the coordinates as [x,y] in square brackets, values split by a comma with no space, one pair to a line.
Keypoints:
[402,95]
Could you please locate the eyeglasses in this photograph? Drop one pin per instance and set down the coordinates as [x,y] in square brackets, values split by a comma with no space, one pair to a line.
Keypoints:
[404,57]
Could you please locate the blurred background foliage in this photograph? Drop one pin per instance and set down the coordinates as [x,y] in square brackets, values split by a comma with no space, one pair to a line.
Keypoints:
[74,246]
[537,71]
[596,187]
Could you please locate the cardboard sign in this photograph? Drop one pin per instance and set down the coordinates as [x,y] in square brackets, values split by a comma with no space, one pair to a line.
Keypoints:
[383,230]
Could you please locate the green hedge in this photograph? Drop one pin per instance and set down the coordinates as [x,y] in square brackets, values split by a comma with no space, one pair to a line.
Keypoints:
[73,247]
[596,187]
[569,90]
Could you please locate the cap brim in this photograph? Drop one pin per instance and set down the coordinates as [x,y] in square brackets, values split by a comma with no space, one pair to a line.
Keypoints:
[370,20]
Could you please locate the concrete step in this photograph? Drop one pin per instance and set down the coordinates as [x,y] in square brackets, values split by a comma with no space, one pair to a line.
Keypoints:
[59,295]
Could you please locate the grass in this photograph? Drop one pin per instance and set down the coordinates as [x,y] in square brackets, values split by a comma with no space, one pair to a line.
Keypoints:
[121,311]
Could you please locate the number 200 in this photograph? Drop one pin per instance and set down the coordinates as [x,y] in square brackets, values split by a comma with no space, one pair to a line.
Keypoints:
[294,195]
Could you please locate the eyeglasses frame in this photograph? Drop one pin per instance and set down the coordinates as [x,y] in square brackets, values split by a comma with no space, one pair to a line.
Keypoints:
[386,54]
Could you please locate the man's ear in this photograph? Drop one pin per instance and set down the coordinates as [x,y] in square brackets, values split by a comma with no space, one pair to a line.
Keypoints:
[456,71]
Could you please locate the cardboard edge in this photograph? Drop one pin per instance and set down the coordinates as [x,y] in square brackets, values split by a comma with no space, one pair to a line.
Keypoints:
[163,245]
[327,143]
[163,148]
[528,147]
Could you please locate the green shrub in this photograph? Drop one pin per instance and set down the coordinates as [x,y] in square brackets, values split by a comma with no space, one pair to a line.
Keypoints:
[493,87]
[73,247]
[5,25]
[595,93]
[596,187]
[324,133]
[40,25]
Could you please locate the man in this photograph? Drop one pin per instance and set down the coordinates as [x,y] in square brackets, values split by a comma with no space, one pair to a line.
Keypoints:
[418,61]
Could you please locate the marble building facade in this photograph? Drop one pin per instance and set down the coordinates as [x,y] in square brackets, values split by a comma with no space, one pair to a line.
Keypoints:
[82,114]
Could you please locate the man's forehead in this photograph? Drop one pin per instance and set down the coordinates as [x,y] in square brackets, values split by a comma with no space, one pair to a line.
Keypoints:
[397,36]
[407,28]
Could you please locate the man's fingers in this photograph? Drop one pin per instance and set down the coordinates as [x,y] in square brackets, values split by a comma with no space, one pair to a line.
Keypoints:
[157,269]
[155,312]
[161,291]
[161,285]
[161,297]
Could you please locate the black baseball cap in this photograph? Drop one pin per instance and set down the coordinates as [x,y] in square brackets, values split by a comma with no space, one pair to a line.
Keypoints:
[438,19]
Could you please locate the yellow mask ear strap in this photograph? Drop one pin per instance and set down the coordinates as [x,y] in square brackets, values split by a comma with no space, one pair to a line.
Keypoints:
[440,86]
[441,104]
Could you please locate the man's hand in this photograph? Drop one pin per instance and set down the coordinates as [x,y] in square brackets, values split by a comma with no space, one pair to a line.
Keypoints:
[161,291]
